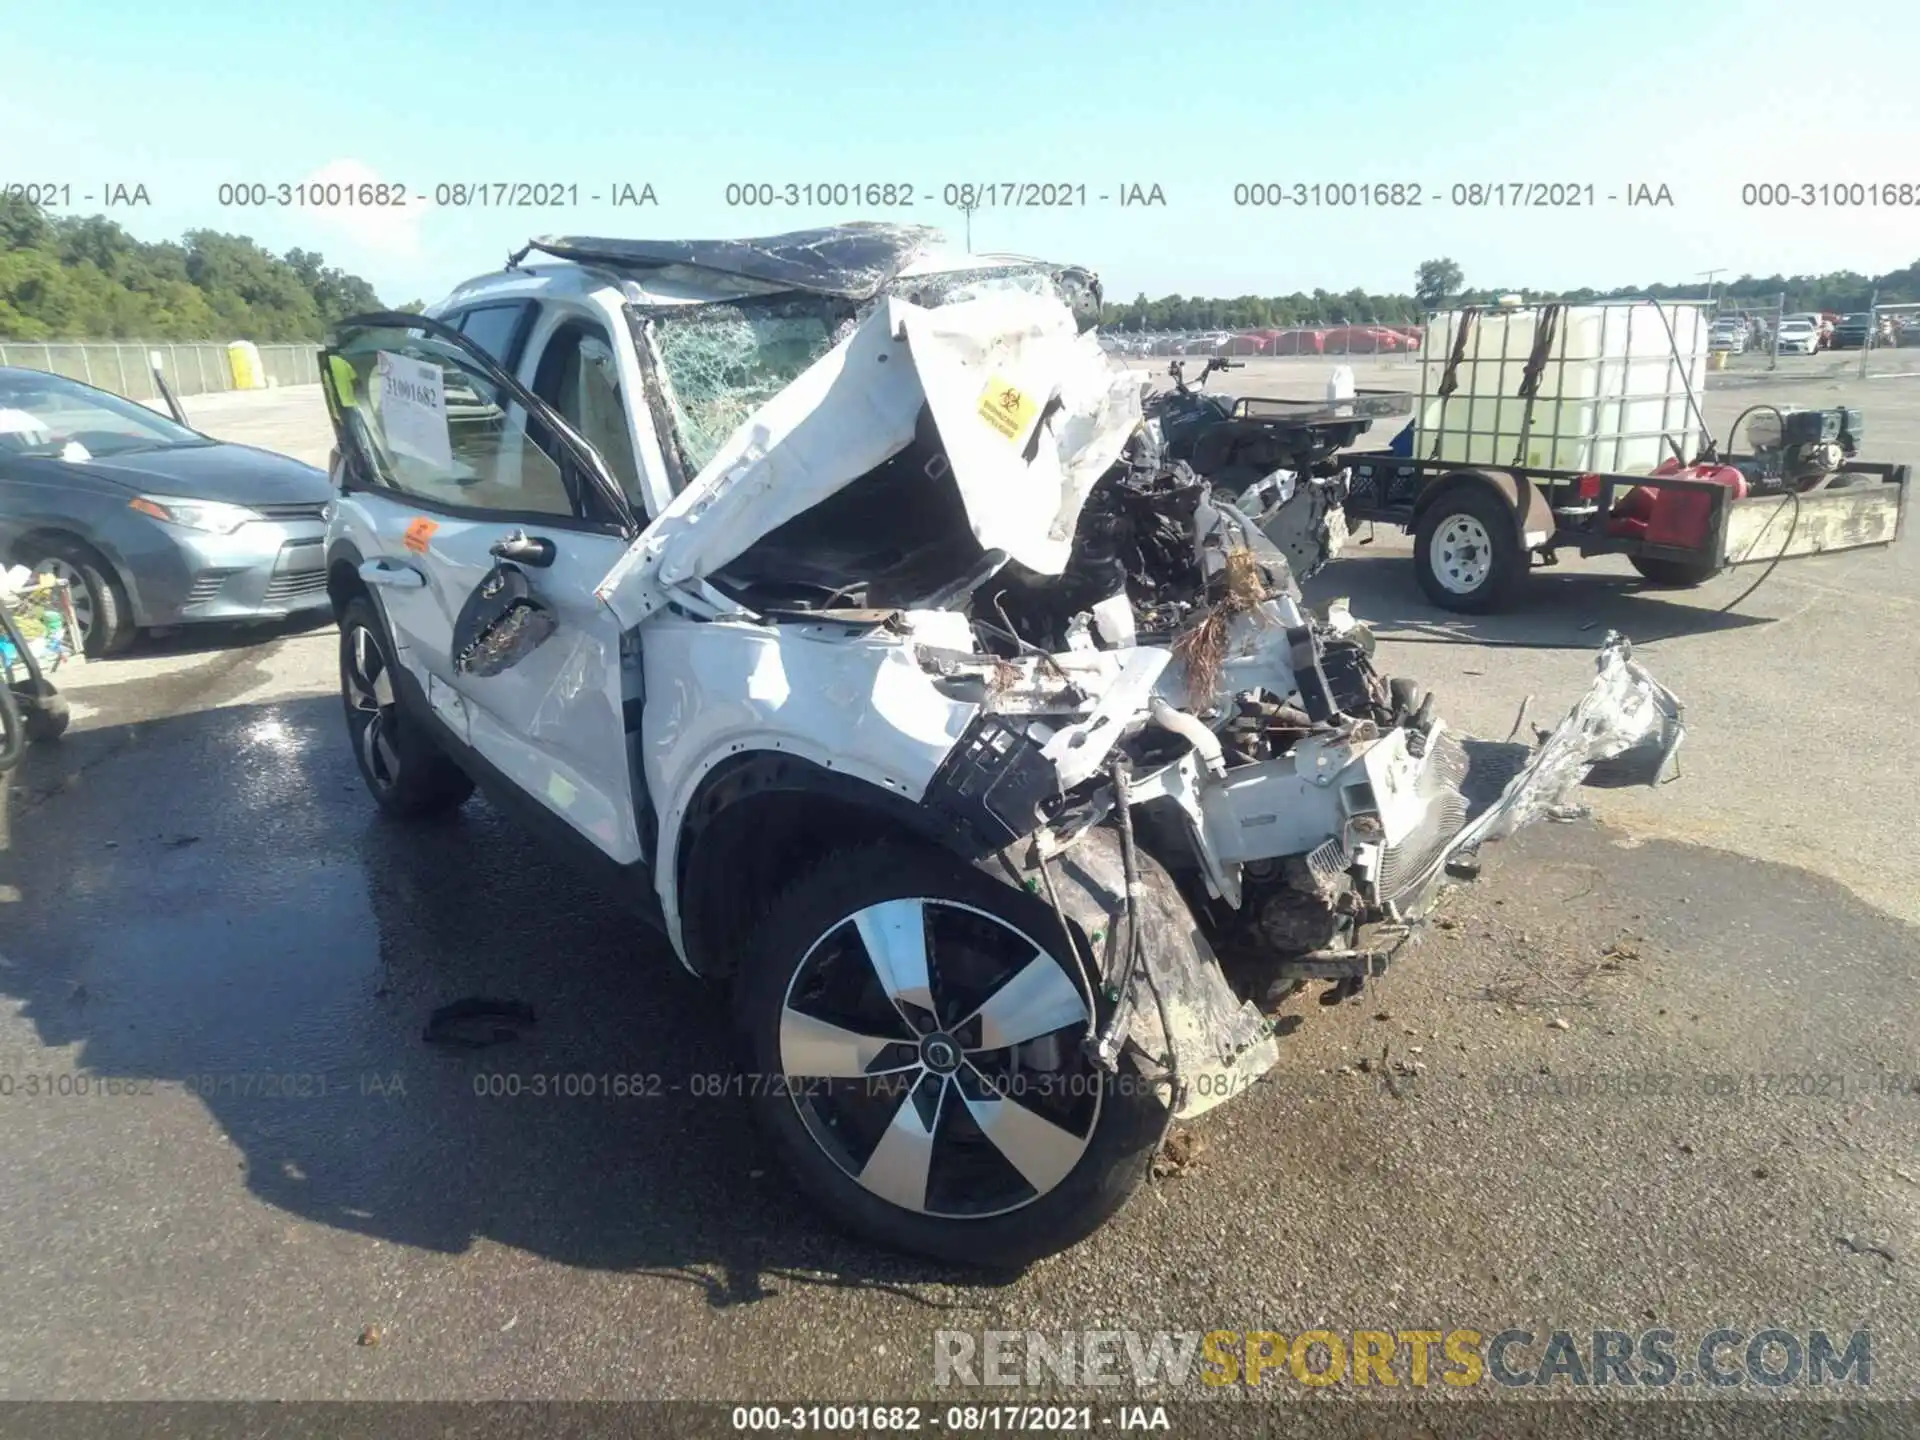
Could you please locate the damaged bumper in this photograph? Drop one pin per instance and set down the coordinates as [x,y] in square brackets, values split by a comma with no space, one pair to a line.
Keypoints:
[1624,731]
[1184,1024]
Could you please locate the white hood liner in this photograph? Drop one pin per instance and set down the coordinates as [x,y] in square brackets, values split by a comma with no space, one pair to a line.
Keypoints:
[990,370]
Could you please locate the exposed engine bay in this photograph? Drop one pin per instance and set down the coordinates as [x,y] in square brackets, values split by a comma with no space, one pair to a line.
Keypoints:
[1306,803]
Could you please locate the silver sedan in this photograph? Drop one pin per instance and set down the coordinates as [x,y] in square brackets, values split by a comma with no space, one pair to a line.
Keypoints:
[151,523]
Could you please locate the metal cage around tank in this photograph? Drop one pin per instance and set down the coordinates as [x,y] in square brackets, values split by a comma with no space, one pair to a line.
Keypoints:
[1465,410]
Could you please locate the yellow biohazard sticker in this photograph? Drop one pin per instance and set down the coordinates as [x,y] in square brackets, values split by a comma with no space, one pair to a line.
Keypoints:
[1006,407]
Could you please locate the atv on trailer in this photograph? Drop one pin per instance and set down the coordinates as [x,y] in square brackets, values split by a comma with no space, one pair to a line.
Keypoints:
[1275,455]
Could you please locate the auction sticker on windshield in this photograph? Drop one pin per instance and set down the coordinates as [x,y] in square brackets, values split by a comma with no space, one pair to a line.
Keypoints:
[1006,407]
[413,408]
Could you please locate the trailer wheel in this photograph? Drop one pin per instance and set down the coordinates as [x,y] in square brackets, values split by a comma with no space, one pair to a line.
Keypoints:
[1678,574]
[1466,551]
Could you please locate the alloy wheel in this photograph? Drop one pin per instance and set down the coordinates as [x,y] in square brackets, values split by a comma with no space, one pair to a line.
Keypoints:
[933,1051]
[1462,554]
[368,682]
[77,587]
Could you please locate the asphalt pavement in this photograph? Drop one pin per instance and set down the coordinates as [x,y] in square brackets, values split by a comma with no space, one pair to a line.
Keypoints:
[1656,1069]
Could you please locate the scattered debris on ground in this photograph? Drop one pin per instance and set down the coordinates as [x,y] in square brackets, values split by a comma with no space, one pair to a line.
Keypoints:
[1178,1154]
[1879,1252]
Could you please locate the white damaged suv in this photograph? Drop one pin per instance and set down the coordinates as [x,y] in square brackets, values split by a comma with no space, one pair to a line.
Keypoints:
[828,594]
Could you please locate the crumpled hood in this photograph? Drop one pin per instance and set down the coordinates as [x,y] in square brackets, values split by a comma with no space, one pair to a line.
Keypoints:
[1029,413]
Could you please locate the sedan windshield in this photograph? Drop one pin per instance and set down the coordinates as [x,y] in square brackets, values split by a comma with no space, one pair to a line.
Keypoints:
[42,414]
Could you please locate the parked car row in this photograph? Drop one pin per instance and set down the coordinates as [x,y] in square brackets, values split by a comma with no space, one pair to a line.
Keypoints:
[1808,333]
[152,523]
[1355,339]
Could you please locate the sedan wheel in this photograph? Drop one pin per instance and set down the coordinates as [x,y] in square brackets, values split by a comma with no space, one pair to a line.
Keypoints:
[77,589]
[916,1037]
[102,612]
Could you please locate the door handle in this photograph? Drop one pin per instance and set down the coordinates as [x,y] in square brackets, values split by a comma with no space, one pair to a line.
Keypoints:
[394,577]
[524,549]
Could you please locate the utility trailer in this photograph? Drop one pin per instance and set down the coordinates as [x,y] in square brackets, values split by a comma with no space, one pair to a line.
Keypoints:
[1551,428]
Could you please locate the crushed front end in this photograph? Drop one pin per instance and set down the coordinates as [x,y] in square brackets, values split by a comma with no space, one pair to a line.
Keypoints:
[1104,663]
[1220,783]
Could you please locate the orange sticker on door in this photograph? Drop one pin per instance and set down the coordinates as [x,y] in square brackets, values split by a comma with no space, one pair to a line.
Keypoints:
[419,534]
[1006,407]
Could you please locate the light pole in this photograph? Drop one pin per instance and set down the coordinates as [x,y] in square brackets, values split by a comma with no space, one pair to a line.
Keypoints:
[1708,275]
[967,211]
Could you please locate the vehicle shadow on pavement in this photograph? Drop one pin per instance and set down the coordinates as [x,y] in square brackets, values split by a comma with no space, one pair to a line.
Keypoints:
[212,904]
[223,635]
[1571,609]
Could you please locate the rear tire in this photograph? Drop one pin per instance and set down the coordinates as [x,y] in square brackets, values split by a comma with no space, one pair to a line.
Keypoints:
[1672,574]
[981,1154]
[409,775]
[99,599]
[1466,551]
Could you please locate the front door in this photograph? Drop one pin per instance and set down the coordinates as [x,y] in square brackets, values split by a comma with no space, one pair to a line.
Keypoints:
[450,487]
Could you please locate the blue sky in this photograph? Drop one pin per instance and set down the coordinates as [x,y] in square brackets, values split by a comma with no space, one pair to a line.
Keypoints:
[1193,97]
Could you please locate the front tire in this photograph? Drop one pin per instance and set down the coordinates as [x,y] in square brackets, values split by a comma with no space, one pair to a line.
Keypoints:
[404,770]
[100,602]
[1466,551]
[913,1028]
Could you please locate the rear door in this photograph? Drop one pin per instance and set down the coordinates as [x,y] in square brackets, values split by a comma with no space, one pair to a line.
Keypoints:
[454,467]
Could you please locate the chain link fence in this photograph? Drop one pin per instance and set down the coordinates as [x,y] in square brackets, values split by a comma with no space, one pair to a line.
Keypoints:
[1895,350]
[1748,331]
[126,367]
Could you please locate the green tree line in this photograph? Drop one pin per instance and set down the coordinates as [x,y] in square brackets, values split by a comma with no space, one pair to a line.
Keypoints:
[85,278]
[1439,283]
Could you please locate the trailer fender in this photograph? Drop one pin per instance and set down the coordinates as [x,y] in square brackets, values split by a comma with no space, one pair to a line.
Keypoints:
[1532,515]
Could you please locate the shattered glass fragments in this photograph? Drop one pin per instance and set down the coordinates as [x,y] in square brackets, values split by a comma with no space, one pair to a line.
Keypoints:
[723,362]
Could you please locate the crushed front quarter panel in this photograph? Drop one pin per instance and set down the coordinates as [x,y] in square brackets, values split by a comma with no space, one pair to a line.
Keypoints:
[1180,1020]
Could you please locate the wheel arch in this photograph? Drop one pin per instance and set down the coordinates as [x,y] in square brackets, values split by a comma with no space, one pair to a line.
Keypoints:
[757,820]
[343,577]
[33,536]
[1524,500]
[118,571]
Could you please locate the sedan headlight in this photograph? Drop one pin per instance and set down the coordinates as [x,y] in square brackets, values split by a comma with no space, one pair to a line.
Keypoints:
[216,517]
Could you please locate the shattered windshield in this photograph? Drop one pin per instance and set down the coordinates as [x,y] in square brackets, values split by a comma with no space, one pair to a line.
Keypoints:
[723,362]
